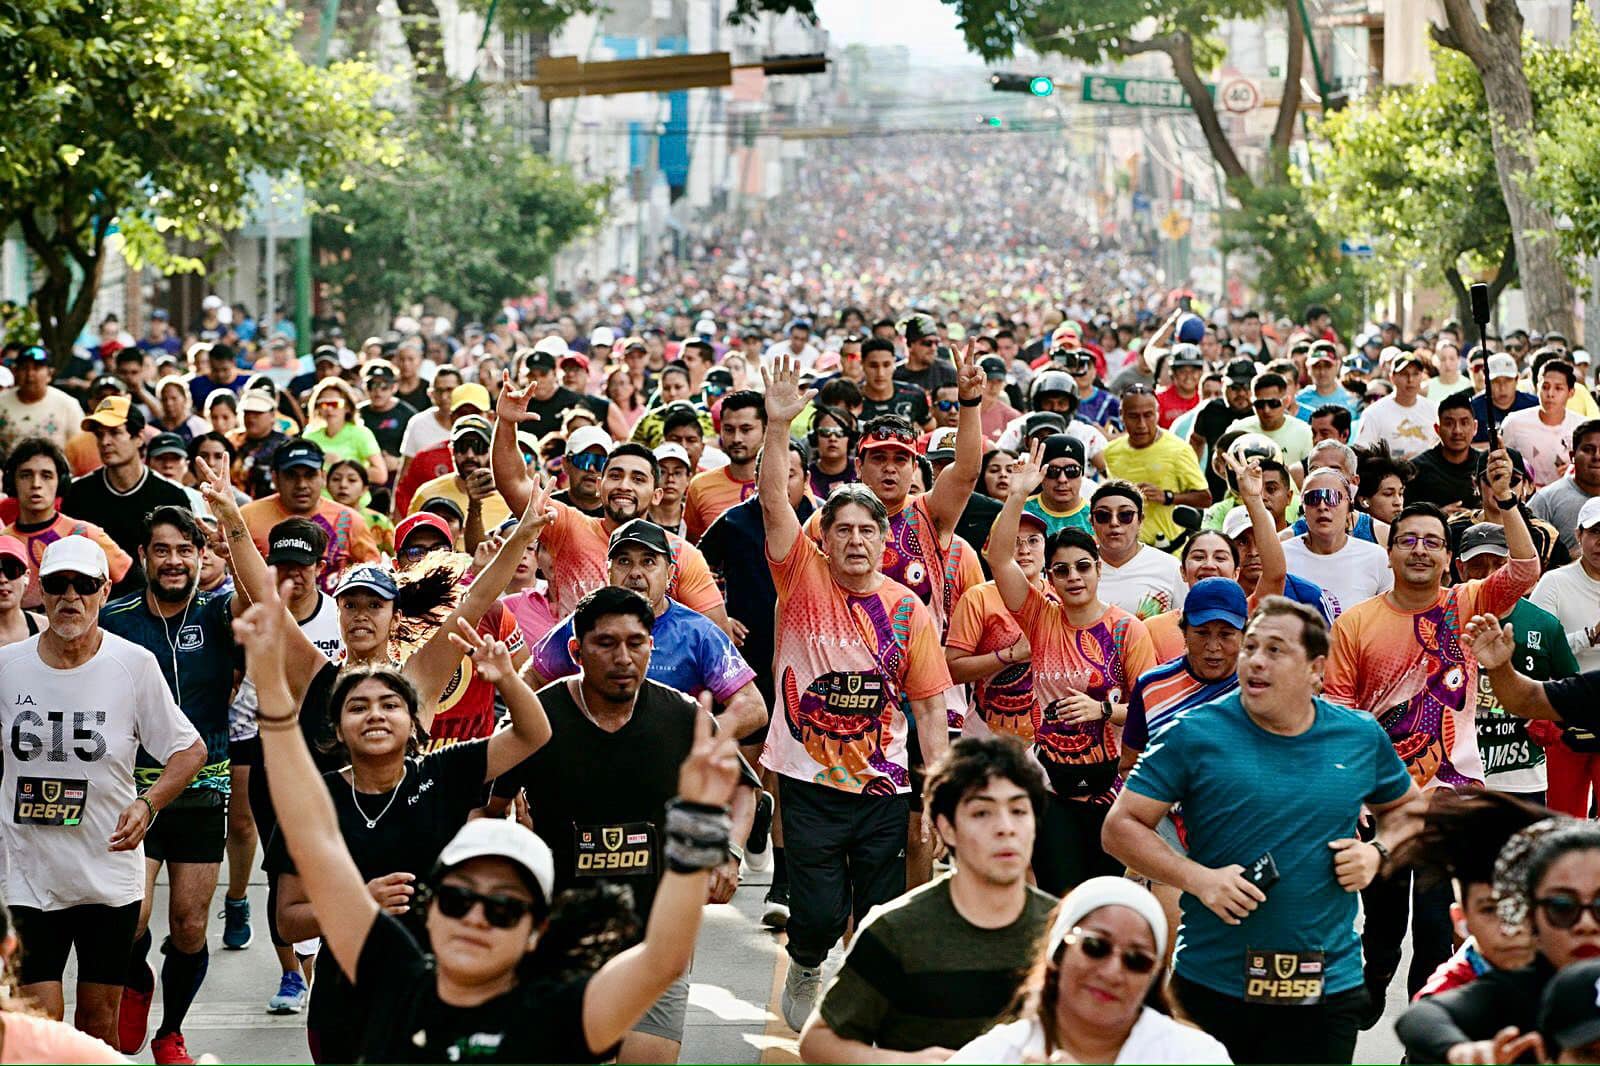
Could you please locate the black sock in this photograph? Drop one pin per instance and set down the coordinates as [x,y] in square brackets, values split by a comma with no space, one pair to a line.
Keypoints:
[181,975]
[140,979]
[780,868]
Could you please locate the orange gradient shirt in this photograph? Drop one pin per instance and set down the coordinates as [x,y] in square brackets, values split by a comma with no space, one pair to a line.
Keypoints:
[578,543]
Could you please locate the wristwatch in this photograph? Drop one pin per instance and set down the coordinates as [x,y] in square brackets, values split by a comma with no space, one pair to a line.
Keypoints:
[1167,497]
[1383,851]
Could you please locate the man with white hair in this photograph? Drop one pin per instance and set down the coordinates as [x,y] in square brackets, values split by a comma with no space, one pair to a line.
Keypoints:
[77,703]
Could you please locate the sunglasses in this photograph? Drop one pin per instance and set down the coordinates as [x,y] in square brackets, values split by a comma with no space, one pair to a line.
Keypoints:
[1266,404]
[82,584]
[899,433]
[1138,390]
[1323,498]
[1057,471]
[1564,912]
[588,462]
[1411,540]
[12,569]
[502,912]
[1105,516]
[412,552]
[832,433]
[1098,947]
[946,405]
[1082,566]
[472,446]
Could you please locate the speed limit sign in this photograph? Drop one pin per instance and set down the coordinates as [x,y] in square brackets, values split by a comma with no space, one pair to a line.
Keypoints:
[1240,95]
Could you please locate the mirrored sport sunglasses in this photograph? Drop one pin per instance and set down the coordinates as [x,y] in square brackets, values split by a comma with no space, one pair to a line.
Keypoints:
[831,433]
[82,584]
[1323,498]
[903,434]
[947,405]
[502,912]
[1098,947]
[588,462]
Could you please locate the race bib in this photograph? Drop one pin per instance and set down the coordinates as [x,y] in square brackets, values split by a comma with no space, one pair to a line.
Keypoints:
[1283,978]
[626,850]
[50,801]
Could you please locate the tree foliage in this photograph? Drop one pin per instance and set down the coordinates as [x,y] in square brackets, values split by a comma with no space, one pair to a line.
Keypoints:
[469,219]
[1411,171]
[548,15]
[151,116]
[1566,86]
[1297,260]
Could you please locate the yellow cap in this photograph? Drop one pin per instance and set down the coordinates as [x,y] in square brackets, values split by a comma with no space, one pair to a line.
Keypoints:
[111,413]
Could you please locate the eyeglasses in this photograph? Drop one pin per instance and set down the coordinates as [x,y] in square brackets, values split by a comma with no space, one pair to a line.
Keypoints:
[831,433]
[1266,404]
[1138,389]
[82,584]
[1323,498]
[502,912]
[1098,947]
[946,405]
[1057,471]
[1564,912]
[1411,540]
[1082,566]
[1105,516]
[588,462]
[412,552]
[12,568]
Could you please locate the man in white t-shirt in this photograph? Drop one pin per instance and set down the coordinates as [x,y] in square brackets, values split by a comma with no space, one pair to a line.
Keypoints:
[1142,580]
[1543,434]
[36,408]
[1404,420]
[76,705]
[797,345]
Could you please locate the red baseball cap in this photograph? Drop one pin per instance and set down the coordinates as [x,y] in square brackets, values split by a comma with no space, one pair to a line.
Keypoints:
[414,522]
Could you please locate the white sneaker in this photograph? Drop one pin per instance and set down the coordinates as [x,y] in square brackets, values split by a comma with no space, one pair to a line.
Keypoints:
[759,862]
[799,997]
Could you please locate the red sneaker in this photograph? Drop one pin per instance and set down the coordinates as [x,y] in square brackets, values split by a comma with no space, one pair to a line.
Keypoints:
[169,1049]
[133,1021]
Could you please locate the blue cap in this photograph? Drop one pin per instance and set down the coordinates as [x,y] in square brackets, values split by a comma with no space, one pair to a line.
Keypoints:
[798,323]
[297,453]
[1191,329]
[1216,599]
[369,577]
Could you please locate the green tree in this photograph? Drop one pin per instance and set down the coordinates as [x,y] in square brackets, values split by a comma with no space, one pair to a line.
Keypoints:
[1412,171]
[1297,259]
[1566,179]
[151,116]
[469,219]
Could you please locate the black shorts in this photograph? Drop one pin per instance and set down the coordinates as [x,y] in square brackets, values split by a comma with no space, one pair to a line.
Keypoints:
[195,829]
[103,936]
[246,752]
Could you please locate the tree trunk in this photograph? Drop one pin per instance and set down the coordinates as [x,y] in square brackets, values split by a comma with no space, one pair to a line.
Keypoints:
[1294,68]
[1496,51]
[1180,50]
[62,312]
[419,19]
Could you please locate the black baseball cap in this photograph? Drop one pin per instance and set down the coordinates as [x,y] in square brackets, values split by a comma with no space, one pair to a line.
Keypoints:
[537,360]
[1064,446]
[290,543]
[297,453]
[380,369]
[642,532]
[1041,420]
[1241,371]
[33,354]
[993,367]
[1569,1016]
[167,444]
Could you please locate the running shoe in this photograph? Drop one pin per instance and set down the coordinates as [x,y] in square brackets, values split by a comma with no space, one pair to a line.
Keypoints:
[169,1048]
[236,931]
[800,988]
[776,914]
[291,997]
[758,850]
[133,1019]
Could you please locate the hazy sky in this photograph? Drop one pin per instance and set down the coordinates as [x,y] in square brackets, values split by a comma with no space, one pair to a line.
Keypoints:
[936,38]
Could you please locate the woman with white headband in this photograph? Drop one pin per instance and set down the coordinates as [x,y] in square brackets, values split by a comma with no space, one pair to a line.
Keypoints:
[1096,993]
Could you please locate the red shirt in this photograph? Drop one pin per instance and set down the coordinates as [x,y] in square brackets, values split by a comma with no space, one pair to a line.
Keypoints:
[1171,406]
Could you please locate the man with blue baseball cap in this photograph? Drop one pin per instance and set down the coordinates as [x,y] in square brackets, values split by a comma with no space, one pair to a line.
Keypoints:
[297,470]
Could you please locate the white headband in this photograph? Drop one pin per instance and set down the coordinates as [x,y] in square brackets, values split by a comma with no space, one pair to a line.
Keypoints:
[1100,892]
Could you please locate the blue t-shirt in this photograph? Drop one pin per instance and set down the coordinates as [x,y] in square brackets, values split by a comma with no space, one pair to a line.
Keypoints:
[196,652]
[691,655]
[1246,792]
[1309,400]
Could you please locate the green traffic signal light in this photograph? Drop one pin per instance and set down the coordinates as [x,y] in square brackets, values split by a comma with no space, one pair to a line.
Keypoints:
[995,121]
[1041,85]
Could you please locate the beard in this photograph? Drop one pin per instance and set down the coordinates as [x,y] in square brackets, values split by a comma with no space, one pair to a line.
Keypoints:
[168,594]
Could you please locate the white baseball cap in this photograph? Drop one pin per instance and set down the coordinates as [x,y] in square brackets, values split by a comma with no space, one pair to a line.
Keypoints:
[1236,522]
[502,838]
[1580,357]
[585,437]
[553,345]
[602,337]
[75,554]
[1587,517]
[670,450]
[1502,366]
[706,327]
[1089,897]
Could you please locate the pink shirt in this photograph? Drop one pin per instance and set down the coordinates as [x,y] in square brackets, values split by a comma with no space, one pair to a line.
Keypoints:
[533,613]
[29,1039]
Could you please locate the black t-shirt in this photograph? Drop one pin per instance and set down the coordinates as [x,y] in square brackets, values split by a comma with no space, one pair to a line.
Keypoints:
[403,1019]
[1211,422]
[565,496]
[389,427]
[544,416]
[908,401]
[417,399]
[599,799]
[1577,700]
[121,514]
[1439,481]
[414,823]
[939,372]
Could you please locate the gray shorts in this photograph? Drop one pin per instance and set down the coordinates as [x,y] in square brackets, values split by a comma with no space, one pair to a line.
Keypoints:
[666,1015]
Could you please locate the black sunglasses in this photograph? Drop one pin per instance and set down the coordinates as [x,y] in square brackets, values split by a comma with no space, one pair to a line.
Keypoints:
[502,912]
[1564,912]
[1105,516]
[83,584]
[1266,404]
[1082,566]
[1057,471]
[12,568]
[1098,947]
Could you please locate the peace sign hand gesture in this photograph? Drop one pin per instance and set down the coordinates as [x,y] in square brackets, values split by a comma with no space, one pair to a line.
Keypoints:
[969,378]
[490,657]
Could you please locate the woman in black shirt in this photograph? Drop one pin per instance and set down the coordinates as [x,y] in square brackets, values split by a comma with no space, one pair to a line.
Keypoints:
[482,995]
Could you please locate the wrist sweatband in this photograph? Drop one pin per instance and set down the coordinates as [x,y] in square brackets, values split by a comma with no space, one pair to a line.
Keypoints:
[697,836]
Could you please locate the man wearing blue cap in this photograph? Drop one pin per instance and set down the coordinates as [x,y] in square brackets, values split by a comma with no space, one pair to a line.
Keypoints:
[297,471]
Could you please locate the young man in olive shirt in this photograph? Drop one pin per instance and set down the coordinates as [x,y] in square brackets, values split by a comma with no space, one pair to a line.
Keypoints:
[936,967]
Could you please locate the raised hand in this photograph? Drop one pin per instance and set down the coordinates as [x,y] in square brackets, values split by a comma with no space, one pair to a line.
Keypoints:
[1497,470]
[1247,475]
[512,404]
[1491,643]
[490,657]
[215,487]
[969,379]
[1027,473]
[540,512]
[785,398]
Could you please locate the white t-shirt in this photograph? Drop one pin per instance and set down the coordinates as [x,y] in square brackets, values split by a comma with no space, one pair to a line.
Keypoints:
[1154,1038]
[78,731]
[1569,593]
[1546,449]
[1358,571]
[1093,441]
[1407,430]
[422,431]
[1149,584]
[55,417]
[322,629]
[808,355]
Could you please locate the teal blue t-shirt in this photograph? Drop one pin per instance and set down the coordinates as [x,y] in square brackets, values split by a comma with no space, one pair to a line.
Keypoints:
[1246,791]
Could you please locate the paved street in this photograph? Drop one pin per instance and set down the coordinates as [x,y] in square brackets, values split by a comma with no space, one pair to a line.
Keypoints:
[733,1003]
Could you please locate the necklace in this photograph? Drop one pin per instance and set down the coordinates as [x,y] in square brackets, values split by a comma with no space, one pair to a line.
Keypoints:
[372,823]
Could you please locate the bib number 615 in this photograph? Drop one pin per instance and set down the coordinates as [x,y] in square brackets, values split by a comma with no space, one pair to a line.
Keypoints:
[36,736]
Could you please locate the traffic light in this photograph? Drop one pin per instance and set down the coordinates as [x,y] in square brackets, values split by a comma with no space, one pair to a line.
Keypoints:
[1034,84]
[810,63]
[993,121]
